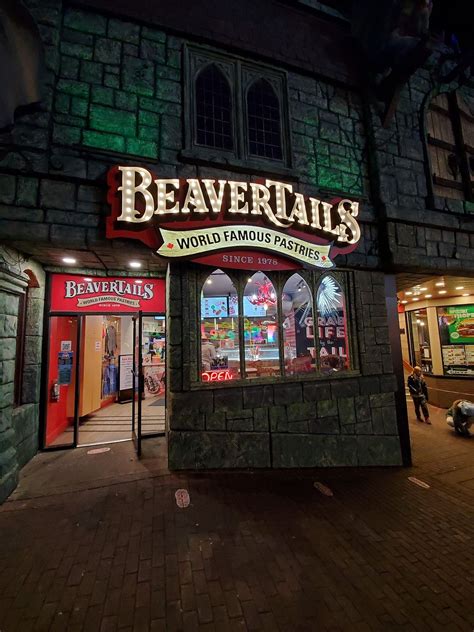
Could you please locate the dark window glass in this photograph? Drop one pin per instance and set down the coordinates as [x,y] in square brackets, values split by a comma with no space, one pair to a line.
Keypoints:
[263,109]
[213,109]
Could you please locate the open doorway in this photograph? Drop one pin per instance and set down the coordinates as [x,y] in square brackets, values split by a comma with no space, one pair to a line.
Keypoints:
[99,365]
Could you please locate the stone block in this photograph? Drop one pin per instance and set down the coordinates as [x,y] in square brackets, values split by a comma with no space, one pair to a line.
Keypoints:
[168,90]
[27,191]
[124,31]
[107,119]
[378,450]
[364,428]
[101,140]
[31,384]
[315,391]
[8,325]
[313,451]
[382,399]
[215,421]
[369,385]
[107,51]
[138,76]
[154,51]
[73,236]
[288,394]
[300,427]
[260,419]
[324,425]
[344,388]
[228,400]
[278,419]
[362,407]
[210,450]
[87,22]
[327,408]
[346,408]
[389,420]
[8,305]
[7,349]
[301,411]
[7,189]
[59,195]
[257,396]
[244,424]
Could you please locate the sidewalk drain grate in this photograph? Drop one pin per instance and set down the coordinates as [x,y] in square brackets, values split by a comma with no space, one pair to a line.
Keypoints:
[98,450]
[324,489]
[417,481]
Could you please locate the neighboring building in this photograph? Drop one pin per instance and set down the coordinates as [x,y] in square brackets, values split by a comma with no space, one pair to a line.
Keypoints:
[267,364]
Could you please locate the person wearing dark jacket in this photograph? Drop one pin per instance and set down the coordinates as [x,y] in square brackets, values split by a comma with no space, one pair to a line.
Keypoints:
[460,416]
[419,394]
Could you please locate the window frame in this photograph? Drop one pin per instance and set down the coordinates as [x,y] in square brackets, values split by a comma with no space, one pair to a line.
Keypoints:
[313,279]
[241,75]
[460,149]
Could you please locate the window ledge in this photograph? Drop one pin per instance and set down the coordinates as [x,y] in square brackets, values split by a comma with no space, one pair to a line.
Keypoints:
[235,164]
[275,379]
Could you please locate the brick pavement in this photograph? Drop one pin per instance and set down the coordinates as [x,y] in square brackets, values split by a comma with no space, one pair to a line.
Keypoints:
[253,551]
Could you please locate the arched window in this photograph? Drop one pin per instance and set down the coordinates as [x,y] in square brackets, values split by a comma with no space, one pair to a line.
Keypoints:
[450,137]
[332,326]
[260,307]
[213,109]
[298,329]
[220,352]
[264,127]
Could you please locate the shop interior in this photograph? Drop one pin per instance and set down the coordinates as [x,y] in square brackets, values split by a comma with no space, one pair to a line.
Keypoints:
[436,318]
[300,345]
[104,392]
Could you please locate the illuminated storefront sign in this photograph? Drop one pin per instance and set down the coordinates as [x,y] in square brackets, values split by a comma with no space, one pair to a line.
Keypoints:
[217,376]
[204,220]
[73,293]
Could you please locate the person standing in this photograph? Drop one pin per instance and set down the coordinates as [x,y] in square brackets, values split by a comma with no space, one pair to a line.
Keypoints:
[419,394]
[208,353]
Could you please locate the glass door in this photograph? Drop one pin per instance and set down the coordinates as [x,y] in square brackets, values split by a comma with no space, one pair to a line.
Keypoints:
[137,383]
[61,401]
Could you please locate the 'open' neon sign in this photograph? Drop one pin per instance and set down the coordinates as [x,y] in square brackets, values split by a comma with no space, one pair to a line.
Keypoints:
[217,376]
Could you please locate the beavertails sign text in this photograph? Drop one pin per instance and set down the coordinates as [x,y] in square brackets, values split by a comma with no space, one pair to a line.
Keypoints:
[73,293]
[230,223]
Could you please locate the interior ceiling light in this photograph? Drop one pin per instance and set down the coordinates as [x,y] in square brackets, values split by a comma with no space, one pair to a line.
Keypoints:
[440,284]
[423,289]
[87,278]
[69,260]
[408,293]
[466,295]
[460,287]
[428,295]
[442,292]
[415,299]
[209,281]
[138,281]
[135,264]
[404,302]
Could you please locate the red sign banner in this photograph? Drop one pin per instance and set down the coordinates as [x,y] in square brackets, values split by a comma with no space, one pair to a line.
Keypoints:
[75,293]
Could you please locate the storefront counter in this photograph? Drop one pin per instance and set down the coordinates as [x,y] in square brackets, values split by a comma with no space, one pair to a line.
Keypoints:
[443,391]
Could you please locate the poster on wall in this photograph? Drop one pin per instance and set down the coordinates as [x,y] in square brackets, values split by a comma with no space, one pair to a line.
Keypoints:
[65,367]
[332,340]
[214,307]
[460,323]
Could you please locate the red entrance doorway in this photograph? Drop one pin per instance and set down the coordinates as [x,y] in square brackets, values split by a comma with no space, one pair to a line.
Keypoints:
[106,371]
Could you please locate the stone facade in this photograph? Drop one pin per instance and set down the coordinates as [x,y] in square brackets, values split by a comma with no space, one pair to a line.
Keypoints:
[19,420]
[115,92]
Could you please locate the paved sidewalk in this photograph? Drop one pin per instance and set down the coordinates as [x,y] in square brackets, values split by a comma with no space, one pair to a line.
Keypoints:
[104,547]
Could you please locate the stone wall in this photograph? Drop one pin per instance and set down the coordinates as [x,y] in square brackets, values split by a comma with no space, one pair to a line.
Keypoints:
[290,422]
[423,233]
[19,423]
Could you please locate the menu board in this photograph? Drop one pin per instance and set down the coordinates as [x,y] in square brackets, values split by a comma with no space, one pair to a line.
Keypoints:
[458,359]
[453,355]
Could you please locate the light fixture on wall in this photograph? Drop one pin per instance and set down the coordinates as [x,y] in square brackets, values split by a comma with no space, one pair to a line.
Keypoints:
[70,261]
[135,264]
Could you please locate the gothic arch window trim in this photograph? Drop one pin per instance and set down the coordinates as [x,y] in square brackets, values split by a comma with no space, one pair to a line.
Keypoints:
[263,331]
[263,118]
[240,76]
[214,109]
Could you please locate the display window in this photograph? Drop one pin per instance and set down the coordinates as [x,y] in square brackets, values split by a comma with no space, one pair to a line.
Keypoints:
[332,326]
[456,332]
[420,340]
[220,348]
[260,307]
[267,327]
[298,326]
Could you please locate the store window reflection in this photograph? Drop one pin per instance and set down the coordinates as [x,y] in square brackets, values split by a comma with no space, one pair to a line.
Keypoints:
[332,326]
[260,306]
[220,354]
[420,338]
[298,329]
